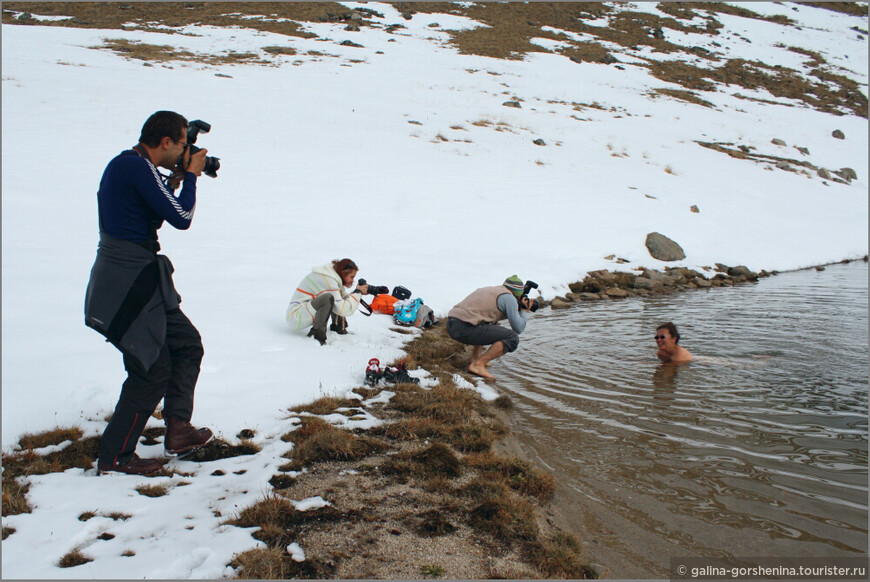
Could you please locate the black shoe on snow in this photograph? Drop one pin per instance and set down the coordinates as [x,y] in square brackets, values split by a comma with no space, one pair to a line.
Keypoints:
[394,375]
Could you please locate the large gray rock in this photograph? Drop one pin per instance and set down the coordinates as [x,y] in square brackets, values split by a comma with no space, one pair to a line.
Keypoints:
[663,248]
[559,303]
[742,271]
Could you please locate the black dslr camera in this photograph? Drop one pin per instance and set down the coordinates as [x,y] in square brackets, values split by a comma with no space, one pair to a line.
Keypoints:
[212,165]
[374,289]
[528,287]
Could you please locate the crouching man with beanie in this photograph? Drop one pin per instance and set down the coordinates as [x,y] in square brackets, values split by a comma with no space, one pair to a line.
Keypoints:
[474,321]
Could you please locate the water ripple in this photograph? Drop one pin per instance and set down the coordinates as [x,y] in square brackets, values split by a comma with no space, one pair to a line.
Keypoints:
[765,433]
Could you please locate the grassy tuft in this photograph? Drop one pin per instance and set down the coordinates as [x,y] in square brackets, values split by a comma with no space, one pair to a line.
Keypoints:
[504,402]
[8,531]
[438,459]
[431,571]
[436,348]
[559,557]
[317,441]
[509,517]
[515,474]
[48,438]
[325,405]
[273,510]
[72,559]
[17,466]
[282,481]
[152,490]
[276,564]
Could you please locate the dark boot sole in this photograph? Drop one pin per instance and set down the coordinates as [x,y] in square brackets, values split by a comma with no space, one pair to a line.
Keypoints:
[188,450]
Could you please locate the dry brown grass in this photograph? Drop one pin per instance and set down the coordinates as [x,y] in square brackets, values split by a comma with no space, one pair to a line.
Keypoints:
[325,405]
[684,95]
[316,441]
[17,466]
[73,558]
[559,557]
[49,438]
[152,490]
[514,473]
[507,34]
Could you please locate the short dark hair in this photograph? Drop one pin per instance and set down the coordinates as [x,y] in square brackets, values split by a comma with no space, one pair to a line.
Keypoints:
[672,329]
[162,124]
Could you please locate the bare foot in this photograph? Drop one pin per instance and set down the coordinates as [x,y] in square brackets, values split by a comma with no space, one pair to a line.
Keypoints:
[479,370]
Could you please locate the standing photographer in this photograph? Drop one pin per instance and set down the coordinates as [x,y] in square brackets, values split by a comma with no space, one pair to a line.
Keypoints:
[473,321]
[131,298]
[323,293]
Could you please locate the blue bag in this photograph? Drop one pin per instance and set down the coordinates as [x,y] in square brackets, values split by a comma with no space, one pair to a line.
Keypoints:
[406,311]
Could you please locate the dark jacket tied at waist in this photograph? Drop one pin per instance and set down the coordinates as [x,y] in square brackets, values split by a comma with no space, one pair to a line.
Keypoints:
[128,295]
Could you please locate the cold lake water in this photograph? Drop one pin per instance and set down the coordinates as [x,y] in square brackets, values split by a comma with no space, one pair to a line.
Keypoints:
[758,448]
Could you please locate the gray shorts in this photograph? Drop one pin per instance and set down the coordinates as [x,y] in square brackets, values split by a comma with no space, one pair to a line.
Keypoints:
[482,334]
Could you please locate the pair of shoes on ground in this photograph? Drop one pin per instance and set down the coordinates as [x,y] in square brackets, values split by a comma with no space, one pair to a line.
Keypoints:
[181,437]
[390,374]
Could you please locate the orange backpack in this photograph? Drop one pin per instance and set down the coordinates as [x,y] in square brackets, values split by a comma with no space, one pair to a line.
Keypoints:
[383,303]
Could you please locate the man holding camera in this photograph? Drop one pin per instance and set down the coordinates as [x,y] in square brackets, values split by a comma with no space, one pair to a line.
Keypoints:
[132,301]
[473,321]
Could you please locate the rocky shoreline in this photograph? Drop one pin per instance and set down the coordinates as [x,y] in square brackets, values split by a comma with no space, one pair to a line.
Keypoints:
[604,284]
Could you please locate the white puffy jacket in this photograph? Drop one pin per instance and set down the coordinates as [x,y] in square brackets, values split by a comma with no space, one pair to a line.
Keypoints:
[300,314]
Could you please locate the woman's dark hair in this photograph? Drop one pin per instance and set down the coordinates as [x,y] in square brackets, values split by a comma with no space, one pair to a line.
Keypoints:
[672,329]
[162,124]
[344,266]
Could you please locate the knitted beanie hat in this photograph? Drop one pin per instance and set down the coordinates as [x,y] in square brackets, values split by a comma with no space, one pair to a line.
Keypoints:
[515,284]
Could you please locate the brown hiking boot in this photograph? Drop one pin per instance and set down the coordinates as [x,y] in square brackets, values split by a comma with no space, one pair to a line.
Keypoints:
[135,466]
[181,437]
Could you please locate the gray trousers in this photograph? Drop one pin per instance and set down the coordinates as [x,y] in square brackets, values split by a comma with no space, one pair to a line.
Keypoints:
[482,334]
[323,308]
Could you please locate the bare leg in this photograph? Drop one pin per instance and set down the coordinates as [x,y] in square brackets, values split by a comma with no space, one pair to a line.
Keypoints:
[478,365]
[475,353]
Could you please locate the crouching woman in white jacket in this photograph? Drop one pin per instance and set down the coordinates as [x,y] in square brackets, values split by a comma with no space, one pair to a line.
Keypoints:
[322,293]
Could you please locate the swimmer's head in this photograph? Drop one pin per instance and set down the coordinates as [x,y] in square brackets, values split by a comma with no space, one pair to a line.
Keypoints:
[672,329]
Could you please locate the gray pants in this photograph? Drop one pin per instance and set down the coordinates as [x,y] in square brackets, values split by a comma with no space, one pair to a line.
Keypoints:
[323,308]
[482,334]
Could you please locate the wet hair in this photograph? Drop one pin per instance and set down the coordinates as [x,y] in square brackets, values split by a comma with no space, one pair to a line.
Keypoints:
[162,124]
[344,266]
[672,329]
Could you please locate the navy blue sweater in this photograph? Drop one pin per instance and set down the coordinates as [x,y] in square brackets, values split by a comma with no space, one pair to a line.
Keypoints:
[133,196]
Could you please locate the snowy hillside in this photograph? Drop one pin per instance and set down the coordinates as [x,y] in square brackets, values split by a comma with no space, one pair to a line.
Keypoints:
[388,137]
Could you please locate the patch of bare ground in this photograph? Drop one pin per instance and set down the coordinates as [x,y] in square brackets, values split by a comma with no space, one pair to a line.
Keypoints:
[851,8]
[278,17]
[684,95]
[507,34]
[425,494]
[26,461]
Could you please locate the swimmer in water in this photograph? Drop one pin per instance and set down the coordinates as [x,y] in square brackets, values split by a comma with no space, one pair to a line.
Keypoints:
[667,339]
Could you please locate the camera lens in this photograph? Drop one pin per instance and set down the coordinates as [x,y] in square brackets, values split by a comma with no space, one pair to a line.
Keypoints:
[212,165]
